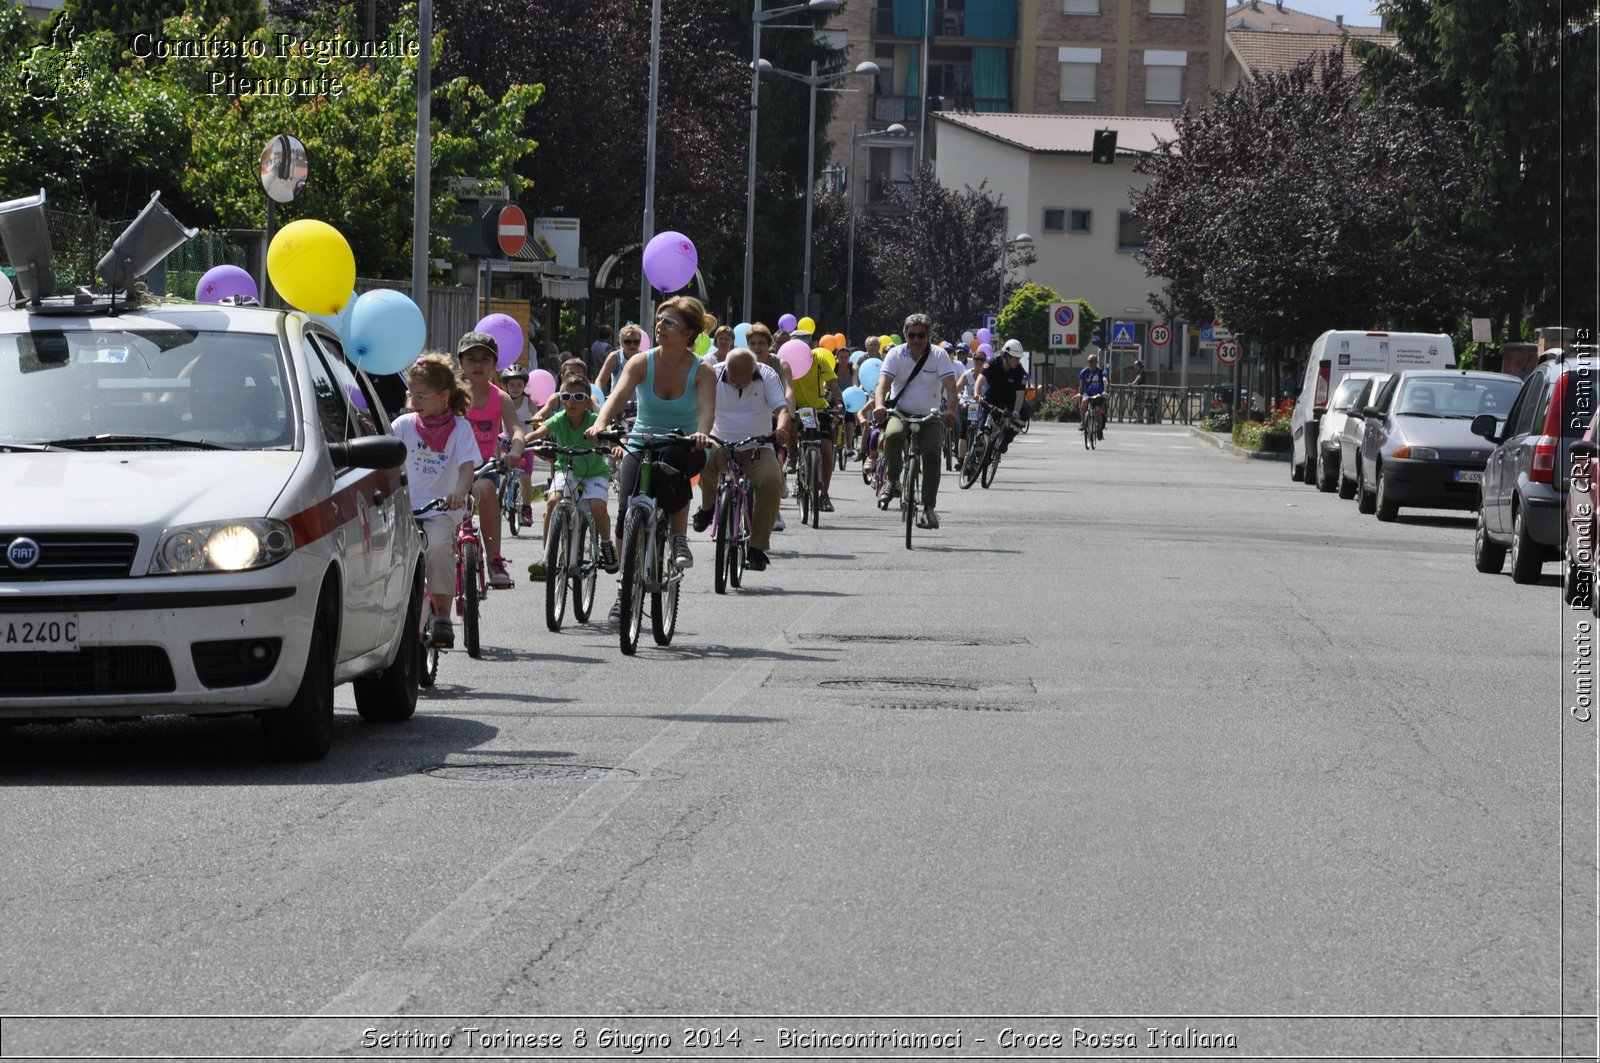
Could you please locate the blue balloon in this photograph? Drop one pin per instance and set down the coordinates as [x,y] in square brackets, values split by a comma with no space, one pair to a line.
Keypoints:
[855,359]
[741,334]
[867,374]
[387,331]
[599,396]
[854,399]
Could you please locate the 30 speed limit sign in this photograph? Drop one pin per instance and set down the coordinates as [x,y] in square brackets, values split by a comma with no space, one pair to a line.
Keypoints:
[1227,351]
[1159,336]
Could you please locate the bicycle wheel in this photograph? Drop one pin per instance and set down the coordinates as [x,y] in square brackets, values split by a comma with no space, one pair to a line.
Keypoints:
[908,494]
[977,455]
[814,486]
[557,542]
[722,525]
[869,465]
[992,464]
[585,569]
[741,534]
[838,446]
[471,591]
[664,602]
[511,501]
[635,570]
[802,490]
[1025,426]
[430,652]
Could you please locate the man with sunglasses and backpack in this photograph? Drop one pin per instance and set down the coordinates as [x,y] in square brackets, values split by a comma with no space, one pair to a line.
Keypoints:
[915,376]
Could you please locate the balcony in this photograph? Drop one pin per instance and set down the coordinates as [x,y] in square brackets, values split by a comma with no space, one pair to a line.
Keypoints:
[907,108]
[997,21]
[879,190]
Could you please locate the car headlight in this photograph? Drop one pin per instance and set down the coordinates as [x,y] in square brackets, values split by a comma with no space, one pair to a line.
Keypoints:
[1417,453]
[227,546]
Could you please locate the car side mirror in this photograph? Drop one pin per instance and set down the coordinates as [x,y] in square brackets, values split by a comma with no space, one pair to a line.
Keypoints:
[369,452]
[1486,425]
[1582,448]
[1371,411]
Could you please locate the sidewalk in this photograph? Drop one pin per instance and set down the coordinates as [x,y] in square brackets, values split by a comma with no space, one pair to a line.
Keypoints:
[1223,442]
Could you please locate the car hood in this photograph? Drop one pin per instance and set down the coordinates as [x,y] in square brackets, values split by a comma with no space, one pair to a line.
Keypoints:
[1452,438]
[135,490]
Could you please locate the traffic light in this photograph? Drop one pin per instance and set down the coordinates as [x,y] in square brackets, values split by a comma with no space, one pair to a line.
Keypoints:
[1105,147]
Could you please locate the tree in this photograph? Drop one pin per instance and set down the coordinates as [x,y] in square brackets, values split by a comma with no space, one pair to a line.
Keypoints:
[1521,78]
[1027,317]
[1288,207]
[940,253]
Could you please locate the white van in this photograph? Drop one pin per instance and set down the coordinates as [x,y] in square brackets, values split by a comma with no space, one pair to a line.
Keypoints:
[1339,352]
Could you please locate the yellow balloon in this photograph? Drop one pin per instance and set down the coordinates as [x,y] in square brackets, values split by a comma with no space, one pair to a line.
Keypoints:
[884,343]
[807,326]
[826,357]
[312,266]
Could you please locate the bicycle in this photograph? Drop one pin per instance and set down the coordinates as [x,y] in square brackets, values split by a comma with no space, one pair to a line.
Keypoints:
[808,471]
[983,451]
[472,576]
[910,469]
[430,610]
[511,492]
[1088,424]
[572,544]
[841,437]
[732,520]
[647,563]
[871,436]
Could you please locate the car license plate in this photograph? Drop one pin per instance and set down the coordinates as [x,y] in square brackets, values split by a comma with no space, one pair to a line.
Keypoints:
[48,633]
[1469,476]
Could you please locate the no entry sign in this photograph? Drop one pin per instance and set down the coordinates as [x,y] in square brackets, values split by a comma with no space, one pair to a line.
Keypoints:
[512,230]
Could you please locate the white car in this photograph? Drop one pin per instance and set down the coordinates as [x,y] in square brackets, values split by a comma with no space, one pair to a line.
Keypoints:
[205,514]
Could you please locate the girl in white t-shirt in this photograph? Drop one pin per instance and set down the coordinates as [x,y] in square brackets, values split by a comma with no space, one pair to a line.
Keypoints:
[441,453]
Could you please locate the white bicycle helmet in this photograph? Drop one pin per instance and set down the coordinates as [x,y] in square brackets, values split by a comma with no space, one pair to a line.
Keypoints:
[1012,346]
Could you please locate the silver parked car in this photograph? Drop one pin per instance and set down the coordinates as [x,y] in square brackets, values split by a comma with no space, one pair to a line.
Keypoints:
[1354,427]
[1417,446]
[1330,428]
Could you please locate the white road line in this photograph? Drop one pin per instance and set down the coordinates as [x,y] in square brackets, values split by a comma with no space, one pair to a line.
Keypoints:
[1179,446]
[387,989]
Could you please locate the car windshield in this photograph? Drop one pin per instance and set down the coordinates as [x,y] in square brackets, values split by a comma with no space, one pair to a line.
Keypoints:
[141,389]
[1454,398]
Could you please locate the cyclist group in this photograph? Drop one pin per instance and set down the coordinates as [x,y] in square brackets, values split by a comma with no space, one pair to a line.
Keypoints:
[464,433]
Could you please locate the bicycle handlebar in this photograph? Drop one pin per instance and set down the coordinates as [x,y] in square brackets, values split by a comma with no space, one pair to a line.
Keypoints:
[437,505]
[547,449]
[646,440]
[750,441]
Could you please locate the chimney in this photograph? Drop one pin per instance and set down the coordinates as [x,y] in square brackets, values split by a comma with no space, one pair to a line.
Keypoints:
[1280,6]
[1339,21]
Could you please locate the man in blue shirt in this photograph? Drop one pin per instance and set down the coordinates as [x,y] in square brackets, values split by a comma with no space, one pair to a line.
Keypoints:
[1092,382]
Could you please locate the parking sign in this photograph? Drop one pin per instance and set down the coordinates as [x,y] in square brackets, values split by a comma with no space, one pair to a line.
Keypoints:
[1064,326]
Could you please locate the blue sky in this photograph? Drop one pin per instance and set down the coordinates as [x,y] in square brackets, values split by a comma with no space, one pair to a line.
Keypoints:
[1355,12]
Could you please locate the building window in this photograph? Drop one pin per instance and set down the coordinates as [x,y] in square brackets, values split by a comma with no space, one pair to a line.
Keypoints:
[1130,231]
[1078,221]
[1080,7]
[1080,74]
[1160,8]
[1055,220]
[1163,76]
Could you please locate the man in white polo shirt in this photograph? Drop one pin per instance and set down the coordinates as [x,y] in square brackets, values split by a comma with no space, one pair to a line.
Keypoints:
[748,394]
[919,374]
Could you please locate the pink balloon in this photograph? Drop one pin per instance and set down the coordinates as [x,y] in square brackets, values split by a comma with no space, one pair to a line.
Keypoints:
[541,385]
[645,342]
[797,355]
[787,322]
[670,261]
[985,350]
[508,338]
[985,336]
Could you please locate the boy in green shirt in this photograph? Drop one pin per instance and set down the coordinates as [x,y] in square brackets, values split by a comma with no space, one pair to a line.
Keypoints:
[588,474]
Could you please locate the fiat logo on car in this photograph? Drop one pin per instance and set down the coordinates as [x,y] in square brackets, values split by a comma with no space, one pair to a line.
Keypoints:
[23,552]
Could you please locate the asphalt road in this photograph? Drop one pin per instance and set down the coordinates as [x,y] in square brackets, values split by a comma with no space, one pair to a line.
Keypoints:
[1145,737]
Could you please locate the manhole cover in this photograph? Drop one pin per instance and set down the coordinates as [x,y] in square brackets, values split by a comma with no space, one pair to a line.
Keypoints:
[520,771]
[952,706]
[949,640]
[893,683]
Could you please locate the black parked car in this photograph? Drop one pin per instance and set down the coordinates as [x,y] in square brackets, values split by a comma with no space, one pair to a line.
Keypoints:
[1525,482]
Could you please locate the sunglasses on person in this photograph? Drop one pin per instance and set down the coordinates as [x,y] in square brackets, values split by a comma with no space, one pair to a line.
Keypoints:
[572,396]
[916,335]
[630,343]
[670,322]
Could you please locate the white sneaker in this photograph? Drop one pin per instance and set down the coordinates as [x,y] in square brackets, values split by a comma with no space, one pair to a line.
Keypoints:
[778,525]
[615,616]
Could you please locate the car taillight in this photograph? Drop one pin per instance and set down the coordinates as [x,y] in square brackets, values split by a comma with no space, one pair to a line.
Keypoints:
[1544,460]
[1321,397]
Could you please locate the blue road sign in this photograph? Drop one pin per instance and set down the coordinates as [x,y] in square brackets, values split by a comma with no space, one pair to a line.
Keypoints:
[990,321]
[1122,334]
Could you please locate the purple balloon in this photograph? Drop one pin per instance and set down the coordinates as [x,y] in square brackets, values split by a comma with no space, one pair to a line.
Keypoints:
[508,338]
[670,261]
[985,350]
[787,322]
[358,400]
[225,282]
[985,336]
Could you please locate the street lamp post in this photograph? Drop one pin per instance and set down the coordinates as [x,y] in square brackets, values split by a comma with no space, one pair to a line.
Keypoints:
[757,19]
[897,131]
[813,81]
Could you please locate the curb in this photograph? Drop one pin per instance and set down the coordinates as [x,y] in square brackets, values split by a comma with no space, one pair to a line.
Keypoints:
[1226,445]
